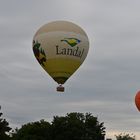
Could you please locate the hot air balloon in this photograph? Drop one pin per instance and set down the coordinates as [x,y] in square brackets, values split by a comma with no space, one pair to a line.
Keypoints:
[60,47]
[137,100]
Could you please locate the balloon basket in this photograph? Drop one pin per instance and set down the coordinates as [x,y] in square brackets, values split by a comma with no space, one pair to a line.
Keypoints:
[60,88]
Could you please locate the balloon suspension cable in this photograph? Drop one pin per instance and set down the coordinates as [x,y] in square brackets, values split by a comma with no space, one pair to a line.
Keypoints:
[60,88]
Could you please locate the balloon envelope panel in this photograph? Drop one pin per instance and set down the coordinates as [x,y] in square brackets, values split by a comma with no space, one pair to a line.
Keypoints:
[60,47]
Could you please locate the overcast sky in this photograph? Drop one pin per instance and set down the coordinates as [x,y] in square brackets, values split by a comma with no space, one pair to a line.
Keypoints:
[104,85]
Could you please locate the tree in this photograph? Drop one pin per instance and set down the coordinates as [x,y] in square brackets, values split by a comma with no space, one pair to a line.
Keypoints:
[73,126]
[77,126]
[33,131]
[4,128]
[125,137]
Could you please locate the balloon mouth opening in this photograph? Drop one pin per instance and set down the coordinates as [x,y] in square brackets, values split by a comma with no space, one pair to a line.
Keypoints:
[60,88]
[60,80]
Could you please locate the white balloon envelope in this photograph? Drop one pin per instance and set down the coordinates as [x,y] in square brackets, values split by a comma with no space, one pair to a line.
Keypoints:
[60,48]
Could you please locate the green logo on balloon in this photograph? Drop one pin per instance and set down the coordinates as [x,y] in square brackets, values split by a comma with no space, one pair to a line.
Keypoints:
[71,41]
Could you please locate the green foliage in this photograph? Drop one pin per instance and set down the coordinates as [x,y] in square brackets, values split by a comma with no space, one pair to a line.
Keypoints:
[73,126]
[4,128]
[69,127]
[125,137]
[77,126]
[33,131]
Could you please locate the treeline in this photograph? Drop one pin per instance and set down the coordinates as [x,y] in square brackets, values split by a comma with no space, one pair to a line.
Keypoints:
[73,126]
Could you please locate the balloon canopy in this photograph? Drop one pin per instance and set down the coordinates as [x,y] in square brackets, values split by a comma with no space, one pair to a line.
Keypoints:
[137,100]
[60,48]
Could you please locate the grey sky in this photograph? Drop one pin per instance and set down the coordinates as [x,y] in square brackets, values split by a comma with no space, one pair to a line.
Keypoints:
[104,85]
